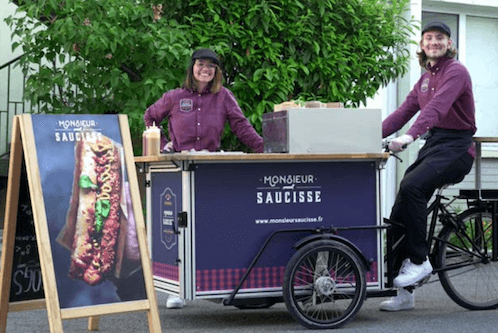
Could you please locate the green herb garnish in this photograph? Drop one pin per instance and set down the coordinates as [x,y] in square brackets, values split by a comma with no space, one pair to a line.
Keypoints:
[102,208]
[86,183]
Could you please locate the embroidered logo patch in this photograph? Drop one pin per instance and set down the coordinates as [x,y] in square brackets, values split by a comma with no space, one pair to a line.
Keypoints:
[186,105]
[425,85]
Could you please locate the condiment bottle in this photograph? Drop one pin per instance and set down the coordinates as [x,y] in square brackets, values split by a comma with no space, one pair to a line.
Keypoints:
[151,141]
[154,142]
[144,142]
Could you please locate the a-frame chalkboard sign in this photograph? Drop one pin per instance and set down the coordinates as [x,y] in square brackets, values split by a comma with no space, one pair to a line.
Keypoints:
[74,239]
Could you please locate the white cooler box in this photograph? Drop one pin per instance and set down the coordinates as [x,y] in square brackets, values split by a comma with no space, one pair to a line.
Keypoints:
[323,130]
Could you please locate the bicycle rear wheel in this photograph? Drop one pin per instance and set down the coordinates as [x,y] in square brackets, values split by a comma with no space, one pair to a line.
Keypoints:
[472,281]
[324,284]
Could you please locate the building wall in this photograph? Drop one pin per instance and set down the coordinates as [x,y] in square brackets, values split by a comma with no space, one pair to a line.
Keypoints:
[9,89]
[5,39]
[471,44]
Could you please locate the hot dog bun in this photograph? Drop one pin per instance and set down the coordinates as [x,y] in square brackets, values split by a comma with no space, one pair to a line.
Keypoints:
[94,217]
[82,252]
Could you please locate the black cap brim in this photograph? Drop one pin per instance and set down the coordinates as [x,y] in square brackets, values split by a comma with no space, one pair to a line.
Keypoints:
[205,54]
[439,26]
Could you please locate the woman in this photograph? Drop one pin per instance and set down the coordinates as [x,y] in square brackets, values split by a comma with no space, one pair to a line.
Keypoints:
[198,111]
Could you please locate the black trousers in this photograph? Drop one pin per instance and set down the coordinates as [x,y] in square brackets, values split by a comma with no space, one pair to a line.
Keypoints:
[416,189]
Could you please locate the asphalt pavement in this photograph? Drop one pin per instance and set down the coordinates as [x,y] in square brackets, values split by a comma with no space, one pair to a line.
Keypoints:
[434,312]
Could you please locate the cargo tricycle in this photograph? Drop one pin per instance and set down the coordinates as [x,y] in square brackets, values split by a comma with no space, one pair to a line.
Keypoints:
[251,230]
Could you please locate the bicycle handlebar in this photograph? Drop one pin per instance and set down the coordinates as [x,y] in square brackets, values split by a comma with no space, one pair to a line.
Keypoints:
[385,148]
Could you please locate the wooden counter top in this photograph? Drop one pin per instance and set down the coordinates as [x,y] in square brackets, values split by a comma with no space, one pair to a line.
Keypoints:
[237,156]
[480,139]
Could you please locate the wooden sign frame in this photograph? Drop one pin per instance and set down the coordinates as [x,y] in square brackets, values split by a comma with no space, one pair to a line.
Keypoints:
[23,147]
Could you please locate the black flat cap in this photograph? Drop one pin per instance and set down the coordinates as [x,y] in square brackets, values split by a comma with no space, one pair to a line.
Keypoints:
[440,26]
[205,54]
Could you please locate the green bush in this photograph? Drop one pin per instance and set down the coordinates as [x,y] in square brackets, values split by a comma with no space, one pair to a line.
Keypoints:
[120,56]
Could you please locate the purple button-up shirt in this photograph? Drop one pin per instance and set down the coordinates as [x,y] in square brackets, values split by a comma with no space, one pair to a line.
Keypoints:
[444,97]
[196,120]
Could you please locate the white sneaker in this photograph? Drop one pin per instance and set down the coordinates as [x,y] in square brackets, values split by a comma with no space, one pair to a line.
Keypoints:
[174,302]
[410,273]
[405,300]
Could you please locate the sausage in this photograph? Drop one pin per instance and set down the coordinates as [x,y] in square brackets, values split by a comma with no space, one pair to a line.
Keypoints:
[97,222]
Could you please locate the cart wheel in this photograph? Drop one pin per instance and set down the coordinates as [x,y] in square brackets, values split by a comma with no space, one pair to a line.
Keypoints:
[324,284]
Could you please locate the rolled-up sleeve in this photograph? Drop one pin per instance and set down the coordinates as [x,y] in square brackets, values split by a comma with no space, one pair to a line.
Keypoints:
[241,126]
[395,121]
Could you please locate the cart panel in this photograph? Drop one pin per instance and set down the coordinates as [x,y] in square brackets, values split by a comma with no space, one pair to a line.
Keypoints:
[166,203]
[238,205]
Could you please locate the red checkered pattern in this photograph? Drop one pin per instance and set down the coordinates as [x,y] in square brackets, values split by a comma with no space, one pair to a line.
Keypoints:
[260,277]
[227,279]
[170,272]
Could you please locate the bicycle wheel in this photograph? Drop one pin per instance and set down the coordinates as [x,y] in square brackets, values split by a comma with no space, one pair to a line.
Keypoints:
[324,284]
[473,281]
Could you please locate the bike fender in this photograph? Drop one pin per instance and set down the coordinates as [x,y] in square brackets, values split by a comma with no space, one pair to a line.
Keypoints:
[342,240]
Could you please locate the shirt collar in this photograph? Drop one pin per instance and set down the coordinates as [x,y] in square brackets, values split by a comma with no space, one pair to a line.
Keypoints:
[206,90]
[441,61]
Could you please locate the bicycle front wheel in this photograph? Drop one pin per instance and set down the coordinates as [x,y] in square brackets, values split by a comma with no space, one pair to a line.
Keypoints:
[469,275]
[324,284]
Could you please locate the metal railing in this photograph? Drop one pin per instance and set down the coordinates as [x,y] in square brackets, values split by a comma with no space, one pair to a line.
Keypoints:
[12,98]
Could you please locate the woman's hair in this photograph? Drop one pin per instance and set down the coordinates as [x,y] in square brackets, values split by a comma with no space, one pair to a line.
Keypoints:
[190,81]
[422,57]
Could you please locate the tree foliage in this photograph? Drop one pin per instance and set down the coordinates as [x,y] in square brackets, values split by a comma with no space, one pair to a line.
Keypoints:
[120,56]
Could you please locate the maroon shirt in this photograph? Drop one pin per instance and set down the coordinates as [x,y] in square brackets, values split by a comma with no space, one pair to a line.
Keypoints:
[196,120]
[444,97]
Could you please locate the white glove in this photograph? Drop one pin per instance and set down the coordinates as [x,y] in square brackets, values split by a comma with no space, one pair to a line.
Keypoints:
[168,147]
[400,143]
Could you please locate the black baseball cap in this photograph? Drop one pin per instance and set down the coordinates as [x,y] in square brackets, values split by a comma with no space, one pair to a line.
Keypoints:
[205,54]
[440,26]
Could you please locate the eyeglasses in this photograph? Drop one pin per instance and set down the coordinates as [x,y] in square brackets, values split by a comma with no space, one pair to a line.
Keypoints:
[203,64]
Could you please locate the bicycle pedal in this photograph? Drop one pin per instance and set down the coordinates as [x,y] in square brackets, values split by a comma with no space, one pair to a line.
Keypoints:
[422,282]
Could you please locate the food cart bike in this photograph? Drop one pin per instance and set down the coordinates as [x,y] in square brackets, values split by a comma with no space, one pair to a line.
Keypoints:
[251,230]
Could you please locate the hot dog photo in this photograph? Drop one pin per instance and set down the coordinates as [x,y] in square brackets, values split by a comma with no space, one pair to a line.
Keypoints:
[95,230]
[89,209]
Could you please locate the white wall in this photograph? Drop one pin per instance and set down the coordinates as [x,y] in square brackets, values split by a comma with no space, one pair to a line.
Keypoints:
[5,40]
[16,83]
[11,90]
[388,99]
[490,3]
[392,96]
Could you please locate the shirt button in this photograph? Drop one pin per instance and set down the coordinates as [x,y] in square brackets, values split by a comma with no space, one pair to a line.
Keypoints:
[432,89]
[198,109]
[198,139]
[198,124]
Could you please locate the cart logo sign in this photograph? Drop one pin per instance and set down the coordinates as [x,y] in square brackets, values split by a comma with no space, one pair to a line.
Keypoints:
[425,85]
[73,130]
[288,189]
[186,105]
[168,209]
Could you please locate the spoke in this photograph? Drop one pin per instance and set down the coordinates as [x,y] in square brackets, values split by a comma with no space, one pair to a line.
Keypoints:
[469,275]
[324,286]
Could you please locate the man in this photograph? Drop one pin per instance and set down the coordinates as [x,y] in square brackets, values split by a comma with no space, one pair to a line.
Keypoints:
[443,95]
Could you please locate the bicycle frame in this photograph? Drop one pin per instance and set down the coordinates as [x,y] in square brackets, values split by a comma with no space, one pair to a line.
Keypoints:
[434,208]
[440,212]
[490,205]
